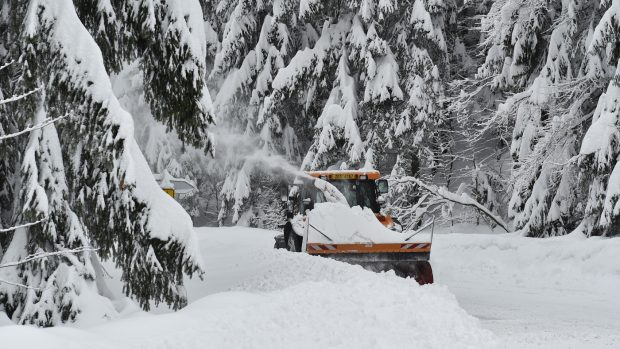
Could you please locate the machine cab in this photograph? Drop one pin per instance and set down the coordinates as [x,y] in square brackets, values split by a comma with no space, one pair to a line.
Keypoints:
[360,188]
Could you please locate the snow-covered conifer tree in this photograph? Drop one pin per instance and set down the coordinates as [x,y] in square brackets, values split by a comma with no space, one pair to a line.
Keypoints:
[601,144]
[556,77]
[514,30]
[91,181]
[359,59]
[337,124]
[255,45]
[56,283]
[169,39]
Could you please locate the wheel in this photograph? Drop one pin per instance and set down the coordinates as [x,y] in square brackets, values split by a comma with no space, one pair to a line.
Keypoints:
[293,241]
[424,273]
[420,271]
[279,241]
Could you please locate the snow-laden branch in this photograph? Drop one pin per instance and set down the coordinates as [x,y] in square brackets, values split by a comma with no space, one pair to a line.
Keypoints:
[20,285]
[32,128]
[6,230]
[37,256]
[6,64]
[18,97]
[42,255]
[463,199]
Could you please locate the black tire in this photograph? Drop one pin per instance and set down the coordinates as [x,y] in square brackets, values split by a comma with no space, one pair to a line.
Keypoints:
[424,273]
[293,241]
[421,271]
[279,242]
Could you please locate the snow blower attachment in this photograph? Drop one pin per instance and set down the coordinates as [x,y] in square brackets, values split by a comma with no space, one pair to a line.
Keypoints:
[407,259]
[336,214]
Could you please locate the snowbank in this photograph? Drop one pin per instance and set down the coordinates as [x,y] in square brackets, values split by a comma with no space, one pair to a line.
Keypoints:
[570,259]
[534,293]
[350,307]
[288,300]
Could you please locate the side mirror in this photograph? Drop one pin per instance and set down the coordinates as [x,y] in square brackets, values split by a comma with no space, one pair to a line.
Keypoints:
[382,186]
[381,201]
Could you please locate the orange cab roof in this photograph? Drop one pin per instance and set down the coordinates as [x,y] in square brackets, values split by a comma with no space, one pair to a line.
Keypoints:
[345,174]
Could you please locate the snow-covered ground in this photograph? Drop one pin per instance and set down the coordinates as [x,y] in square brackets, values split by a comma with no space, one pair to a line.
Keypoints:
[535,293]
[510,292]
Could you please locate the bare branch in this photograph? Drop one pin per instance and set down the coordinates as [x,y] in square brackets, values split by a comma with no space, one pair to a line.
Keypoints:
[46,122]
[6,230]
[462,199]
[18,97]
[6,64]
[20,285]
[37,256]
[42,255]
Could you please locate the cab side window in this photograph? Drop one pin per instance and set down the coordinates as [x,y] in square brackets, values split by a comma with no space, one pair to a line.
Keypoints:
[306,194]
[319,197]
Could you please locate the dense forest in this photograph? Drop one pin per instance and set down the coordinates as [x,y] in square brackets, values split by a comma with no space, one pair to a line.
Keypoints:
[515,102]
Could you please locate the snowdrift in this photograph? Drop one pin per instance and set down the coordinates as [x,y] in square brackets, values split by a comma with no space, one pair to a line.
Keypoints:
[289,300]
[526,290]
[568,260]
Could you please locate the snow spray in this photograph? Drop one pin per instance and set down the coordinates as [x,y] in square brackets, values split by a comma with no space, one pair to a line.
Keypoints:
[231,145]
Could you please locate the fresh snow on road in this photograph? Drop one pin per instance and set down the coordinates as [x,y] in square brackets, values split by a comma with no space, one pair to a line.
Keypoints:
[535,293]
[532,293]
[492,290]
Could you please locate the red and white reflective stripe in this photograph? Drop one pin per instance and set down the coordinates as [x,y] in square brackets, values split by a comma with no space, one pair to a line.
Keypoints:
[323,247]
[414,246]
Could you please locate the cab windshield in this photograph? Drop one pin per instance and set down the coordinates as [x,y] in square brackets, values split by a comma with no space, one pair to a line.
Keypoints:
[358,192]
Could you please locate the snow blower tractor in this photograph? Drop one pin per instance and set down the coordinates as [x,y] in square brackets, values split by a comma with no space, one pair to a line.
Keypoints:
[337,214]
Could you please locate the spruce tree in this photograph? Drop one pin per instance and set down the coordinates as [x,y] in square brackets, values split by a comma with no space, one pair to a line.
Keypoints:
[550,83]
[169,40]
[600,147]
[337,125]
[56,283]
[88,168]
[255,45]
[379,62]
